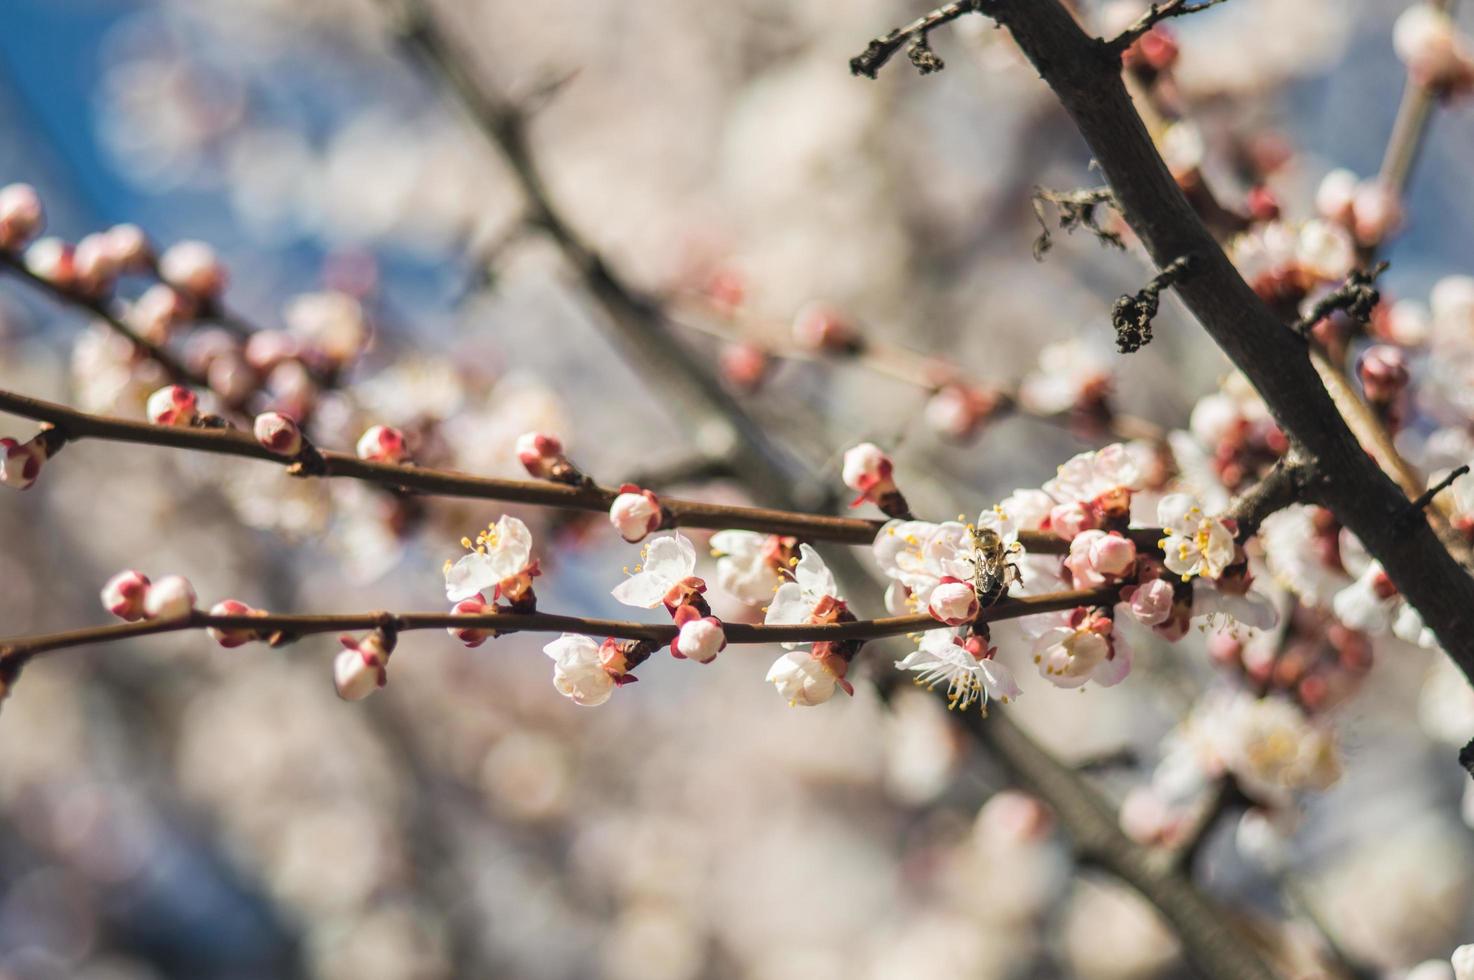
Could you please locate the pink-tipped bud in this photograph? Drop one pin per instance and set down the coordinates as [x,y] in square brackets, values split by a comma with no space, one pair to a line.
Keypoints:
[130,248]
[383,444]
[194,269]
[539,453]
[867,470]
[959,412]
[124,593]
[953,602]
[362,667]
[1151,603]
[472,636]
[233,636]
[21,216]
[157,312]
[1068,519]
[53,260]
[171,597]
[745,366]
[1334,196]
[265,349]
[1112,555]
[1428,42]
[635,512]
[278,433]
[866,466]
[700,639]
[1376,212]
[819,328]
[1383,373]
[95,265]
[21,462]
[172,405]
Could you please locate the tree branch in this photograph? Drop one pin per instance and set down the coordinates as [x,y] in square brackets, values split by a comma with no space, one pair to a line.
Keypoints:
[1084,74]
[882,49]
[1076,210]
[16,651]
[74,425]
[1157,13]
[99,308]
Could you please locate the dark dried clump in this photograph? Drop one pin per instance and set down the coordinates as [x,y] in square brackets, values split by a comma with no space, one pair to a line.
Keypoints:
[1132,315]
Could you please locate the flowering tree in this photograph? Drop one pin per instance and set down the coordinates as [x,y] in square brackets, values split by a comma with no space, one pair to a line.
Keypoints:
[1301,526]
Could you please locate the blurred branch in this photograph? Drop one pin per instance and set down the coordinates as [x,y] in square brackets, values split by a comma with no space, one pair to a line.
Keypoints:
[929,374]
[1410,128]
[718,425]
[99,308]
[71,425]
[1217,951]
[15,652]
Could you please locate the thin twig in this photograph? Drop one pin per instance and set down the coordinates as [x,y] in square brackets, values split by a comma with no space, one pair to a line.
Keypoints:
[16,651]
[882,49]
[1157,13]
[1356,297]
[74,425]
[1077,209]
[1426,497]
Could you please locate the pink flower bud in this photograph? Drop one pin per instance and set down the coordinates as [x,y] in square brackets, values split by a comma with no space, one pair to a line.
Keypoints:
[1334,196]
[1112,555]
[1068,519]
[233,636]
[382,444]
[1151,603]
[819,328]
[130,248]
[1427,41]
[20,462]
[362,667]
[52,259]
[21,216]
[265,349]
[1376,212]
[172,405]
[958,412]
[539,453]
[1145,818]
[157,312]
[472,636]
[700,640]
[194,269]
[124,593]
[953,602]
[745,366]
[635,512]
[171,597]
[278,433]
[866,466]
[95,266]
[1383,373]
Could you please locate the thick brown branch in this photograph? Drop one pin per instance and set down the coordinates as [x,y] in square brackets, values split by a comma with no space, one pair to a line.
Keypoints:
[1084,74]
[1287,483]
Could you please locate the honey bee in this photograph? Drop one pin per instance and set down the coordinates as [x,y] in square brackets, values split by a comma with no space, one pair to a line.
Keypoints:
[993,568]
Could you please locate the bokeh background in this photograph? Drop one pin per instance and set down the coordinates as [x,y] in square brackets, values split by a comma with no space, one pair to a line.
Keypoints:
[172,809]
